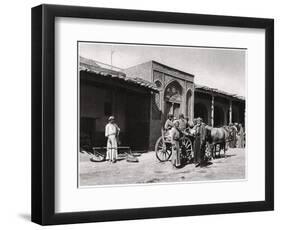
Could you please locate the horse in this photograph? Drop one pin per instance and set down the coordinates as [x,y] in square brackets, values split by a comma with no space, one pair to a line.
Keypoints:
[217,136]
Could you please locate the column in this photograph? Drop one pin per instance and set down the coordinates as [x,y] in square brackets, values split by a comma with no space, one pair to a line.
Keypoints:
[192,104]
[212,110]
[224,116]
[184,106]
[245,117]
[230,112]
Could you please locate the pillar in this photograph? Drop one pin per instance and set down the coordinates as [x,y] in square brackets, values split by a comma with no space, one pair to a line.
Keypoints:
[212,110]
[230,112]
[192,104]
[184,107]
[224,116]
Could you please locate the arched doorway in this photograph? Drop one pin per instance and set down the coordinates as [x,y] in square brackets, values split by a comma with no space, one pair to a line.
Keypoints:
[173,99]
[218,116]
[188,103]
[200,110]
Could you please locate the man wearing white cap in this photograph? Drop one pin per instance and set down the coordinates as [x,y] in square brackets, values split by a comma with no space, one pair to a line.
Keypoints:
[175,139]
[111,132]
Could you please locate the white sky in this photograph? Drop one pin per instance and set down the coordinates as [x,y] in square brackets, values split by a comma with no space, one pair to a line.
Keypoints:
[223,69]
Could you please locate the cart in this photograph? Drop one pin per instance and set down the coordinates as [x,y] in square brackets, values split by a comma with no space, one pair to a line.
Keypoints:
[163,148]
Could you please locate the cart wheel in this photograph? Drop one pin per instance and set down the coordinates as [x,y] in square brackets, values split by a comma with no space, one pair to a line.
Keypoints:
[162,152]
[98,156]
[187,143]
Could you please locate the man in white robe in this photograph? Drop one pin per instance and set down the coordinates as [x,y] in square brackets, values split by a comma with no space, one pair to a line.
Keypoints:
[111,132]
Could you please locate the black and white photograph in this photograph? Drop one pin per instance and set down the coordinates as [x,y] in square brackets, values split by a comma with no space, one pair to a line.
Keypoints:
[154,114]
[140,115]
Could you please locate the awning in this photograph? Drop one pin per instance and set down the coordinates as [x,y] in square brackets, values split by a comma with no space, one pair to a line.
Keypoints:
[94,67]
[217,91]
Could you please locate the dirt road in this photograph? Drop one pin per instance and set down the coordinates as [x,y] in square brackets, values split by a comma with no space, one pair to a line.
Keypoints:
[150,170]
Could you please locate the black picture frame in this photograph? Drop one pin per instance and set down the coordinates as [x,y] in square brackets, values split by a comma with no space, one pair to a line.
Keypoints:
[43,114]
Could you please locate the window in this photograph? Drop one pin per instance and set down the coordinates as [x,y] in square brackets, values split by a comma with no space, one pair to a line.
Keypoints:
[158,84]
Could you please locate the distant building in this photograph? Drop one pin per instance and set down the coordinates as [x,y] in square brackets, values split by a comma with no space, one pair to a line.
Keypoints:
[141,97]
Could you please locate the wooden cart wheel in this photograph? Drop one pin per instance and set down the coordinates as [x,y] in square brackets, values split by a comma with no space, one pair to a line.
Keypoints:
[162,152]
[188,149]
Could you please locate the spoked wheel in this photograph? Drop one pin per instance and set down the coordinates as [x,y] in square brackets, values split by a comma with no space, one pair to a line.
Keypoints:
[162,151]
[187,149]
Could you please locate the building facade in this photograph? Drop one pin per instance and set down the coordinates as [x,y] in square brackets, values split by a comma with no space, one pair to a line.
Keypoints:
[142,96]
[175,96]
[179,94]
[105,92]
[218,108]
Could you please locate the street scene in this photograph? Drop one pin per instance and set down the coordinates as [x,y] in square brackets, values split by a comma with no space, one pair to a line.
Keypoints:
[160,114]
[150,170]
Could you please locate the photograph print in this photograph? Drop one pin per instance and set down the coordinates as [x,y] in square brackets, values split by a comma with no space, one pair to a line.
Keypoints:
[154,114]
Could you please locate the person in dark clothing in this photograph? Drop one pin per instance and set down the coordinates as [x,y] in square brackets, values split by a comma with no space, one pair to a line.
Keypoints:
[199,143]
[175,139]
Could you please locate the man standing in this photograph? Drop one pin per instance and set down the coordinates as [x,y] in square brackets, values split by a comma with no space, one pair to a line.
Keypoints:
[182,123]
[194,123]
[233,136]
[240,139]
[199,142]
[112,133]
[169,123]
[175,139]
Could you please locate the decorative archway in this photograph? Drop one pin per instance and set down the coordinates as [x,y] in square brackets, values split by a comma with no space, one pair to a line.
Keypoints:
[200,110]
[173,98]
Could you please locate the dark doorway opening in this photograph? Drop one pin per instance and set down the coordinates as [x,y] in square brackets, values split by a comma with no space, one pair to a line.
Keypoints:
[200,110]
[218,117]
[87,133]
[137,121]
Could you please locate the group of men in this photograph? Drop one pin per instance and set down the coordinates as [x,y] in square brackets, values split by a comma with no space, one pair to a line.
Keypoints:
[237,136]
[176,128]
